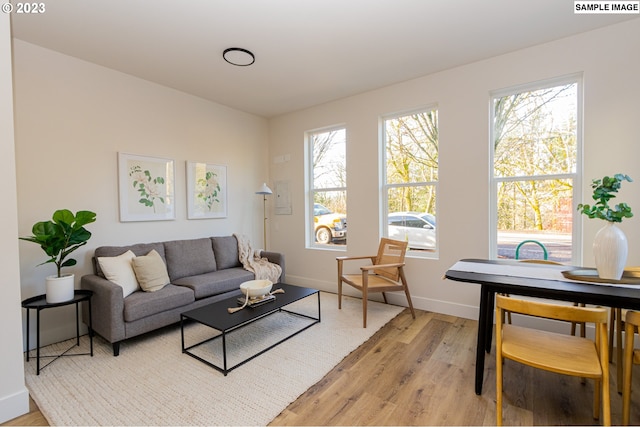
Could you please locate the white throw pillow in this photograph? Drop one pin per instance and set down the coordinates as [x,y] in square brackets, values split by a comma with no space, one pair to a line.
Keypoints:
[151,271]
[119,270]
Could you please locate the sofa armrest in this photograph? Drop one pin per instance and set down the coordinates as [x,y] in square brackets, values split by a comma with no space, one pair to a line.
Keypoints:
[275,258]
[107,307]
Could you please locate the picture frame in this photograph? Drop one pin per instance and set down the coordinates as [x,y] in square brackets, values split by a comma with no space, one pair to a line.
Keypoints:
[206,190]
[146,188]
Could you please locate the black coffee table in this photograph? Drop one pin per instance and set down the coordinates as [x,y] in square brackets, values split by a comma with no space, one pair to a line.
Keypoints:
[217,317]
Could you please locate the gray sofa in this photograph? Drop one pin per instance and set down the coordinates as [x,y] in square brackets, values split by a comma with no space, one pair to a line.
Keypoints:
[201,271]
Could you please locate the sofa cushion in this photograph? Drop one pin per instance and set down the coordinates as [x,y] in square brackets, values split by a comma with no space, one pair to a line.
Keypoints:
[216,282]
[119,270]
[143,304]
[189,257]
[138,249]
[151,271]
[225,249]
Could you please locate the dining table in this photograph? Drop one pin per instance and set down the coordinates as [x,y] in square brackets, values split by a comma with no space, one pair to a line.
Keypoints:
[556,282]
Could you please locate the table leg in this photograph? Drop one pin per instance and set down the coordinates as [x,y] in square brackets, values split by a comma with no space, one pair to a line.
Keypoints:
[182,332]
[90,328]
[482,337]
[224,352]
[491,298]
[38,341]
[77,325]
[27,346]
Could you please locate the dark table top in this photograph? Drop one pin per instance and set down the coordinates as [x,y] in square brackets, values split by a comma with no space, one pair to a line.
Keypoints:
[590,293]
[216,316]
[40,301]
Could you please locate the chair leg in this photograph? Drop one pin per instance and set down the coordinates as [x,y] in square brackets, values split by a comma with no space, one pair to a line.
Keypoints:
[499,365]
[406,292]
[628,363]
[339,284]
[597,390]
[612,327]
[619,349]
[604,390]
[365,297]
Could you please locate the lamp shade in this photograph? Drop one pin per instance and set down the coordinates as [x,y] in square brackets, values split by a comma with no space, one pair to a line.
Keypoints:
[264,189]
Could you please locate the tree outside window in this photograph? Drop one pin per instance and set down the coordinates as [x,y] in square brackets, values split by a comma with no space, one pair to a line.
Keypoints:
[535,164]
[328,184]
[411,177]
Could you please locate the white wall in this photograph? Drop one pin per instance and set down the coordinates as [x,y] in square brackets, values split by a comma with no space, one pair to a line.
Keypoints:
[14,397]
[73,117]
[609,61]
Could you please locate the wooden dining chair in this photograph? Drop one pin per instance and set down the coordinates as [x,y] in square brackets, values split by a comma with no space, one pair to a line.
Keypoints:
[550,351]
[384,274]
[631,357]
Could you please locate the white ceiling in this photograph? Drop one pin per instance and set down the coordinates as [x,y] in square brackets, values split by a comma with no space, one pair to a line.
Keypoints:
[307,51]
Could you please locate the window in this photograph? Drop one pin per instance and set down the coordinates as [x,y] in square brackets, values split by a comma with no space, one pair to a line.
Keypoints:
[411,179]
[326,156]
[535,146]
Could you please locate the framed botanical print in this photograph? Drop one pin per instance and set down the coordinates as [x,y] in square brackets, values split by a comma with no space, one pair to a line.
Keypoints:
[206,190]
[146,187]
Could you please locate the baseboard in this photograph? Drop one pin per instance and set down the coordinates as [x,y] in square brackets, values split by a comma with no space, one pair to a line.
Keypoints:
[421,303]
[14,405]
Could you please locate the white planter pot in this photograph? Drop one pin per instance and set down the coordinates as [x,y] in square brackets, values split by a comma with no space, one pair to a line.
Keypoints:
[60,289]
[610,251]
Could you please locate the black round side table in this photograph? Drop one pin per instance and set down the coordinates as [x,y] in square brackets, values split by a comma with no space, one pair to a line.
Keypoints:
[40,303]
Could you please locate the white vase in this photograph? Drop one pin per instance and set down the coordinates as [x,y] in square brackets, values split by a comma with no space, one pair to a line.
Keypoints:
[610,251]
[60,289]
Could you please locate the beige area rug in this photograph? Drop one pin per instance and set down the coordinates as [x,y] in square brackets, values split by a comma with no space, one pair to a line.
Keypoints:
[153,383]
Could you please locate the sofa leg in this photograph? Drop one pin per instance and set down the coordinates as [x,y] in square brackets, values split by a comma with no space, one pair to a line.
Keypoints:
[116,348]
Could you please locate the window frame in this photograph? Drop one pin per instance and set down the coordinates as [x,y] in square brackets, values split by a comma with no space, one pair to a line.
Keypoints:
[576,218]
[385,186]
[310,190]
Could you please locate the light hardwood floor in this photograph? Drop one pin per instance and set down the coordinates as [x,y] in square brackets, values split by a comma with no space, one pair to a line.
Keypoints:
[421,372]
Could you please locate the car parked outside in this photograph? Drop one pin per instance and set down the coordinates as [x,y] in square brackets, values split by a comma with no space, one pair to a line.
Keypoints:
[418,228]
[329,226]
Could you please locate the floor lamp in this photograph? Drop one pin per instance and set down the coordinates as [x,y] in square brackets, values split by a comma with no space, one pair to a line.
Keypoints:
[264,190]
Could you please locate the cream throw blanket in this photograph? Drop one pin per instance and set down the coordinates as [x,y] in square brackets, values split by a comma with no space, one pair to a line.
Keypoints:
[251,261]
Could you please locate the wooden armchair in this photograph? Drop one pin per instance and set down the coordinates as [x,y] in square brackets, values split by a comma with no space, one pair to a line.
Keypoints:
[385,274]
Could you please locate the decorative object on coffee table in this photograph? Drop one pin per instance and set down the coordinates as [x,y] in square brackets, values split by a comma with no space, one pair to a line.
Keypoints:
[256,288]
[58,238]
[255,292]
[610,243]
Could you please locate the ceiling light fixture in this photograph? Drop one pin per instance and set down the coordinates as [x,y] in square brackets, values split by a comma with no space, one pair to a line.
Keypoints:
[238,56]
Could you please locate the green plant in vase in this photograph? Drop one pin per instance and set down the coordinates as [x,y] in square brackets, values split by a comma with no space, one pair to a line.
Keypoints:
[58,238]
[603,191]
[610,247]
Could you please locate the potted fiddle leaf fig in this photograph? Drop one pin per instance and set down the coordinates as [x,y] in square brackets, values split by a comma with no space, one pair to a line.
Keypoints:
[610,247]
[58,238]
